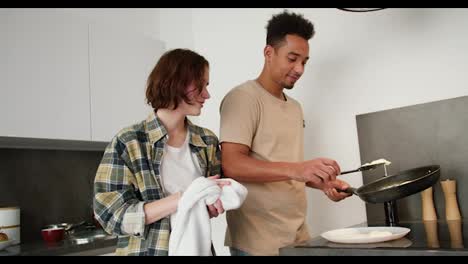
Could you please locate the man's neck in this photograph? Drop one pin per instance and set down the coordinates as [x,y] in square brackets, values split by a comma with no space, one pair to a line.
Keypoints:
[270,86]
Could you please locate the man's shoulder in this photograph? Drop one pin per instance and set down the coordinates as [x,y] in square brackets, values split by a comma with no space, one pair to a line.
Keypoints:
[246,89]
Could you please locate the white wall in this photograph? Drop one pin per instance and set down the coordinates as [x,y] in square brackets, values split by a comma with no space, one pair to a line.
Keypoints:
[120,63]
[175,27]
[360,63]
[139,20]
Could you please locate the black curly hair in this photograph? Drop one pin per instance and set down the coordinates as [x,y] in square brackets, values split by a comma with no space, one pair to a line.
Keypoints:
[287,23]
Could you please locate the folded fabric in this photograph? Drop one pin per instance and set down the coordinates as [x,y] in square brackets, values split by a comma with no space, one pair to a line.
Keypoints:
[191,225]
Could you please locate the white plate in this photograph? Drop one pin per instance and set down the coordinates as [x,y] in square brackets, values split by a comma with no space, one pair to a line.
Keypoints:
[397,243]
[360,235]
[5,244]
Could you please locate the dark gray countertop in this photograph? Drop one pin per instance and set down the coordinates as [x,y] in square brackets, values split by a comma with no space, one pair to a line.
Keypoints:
[97,242]
[417,242]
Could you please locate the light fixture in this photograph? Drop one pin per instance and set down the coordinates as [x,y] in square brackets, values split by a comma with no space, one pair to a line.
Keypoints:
[358,9]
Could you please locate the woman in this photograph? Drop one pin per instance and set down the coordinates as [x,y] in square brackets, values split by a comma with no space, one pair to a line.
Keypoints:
[148,165]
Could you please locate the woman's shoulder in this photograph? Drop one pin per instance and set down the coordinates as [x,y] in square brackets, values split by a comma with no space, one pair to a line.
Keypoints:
[208,136]
[131,133]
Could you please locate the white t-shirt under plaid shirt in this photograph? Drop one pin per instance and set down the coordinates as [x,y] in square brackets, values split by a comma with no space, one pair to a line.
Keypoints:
[177,168]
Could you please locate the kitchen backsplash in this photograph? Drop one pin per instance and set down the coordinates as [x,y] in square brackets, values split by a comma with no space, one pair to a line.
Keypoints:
[50,180]
[414,136]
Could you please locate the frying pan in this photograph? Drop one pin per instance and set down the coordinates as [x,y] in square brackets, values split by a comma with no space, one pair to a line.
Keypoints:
[67,226]
[397,186]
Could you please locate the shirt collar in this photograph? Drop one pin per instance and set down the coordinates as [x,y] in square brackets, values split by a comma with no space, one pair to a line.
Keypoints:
[156,131]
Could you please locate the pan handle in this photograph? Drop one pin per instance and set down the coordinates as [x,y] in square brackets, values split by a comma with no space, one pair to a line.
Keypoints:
[73,226]
[349,190]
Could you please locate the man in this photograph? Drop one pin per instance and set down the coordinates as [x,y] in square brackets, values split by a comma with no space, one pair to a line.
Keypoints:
[262,146]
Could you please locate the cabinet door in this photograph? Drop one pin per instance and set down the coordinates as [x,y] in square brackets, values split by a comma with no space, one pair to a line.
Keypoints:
[44,75]
[120,63]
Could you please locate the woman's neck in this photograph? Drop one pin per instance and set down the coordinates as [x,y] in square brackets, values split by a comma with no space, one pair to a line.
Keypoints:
[174,122]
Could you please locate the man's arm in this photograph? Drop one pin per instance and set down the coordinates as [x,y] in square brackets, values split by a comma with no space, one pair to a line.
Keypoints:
[237,164]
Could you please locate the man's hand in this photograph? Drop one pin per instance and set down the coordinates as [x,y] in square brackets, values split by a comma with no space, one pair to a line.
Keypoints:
[317,171]
[331,189]
[217,208]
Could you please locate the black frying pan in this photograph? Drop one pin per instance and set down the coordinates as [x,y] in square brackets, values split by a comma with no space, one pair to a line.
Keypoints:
[398,186]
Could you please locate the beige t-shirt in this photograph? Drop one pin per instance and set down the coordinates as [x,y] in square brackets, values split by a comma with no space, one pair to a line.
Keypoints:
[273,214]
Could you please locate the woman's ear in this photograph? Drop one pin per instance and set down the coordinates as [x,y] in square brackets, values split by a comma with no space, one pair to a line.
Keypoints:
[191,90]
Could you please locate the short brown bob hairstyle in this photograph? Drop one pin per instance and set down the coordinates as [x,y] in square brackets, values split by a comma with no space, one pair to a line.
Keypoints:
[174,72]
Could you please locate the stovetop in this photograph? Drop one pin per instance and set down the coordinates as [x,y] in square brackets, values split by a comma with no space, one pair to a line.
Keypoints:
[424,235]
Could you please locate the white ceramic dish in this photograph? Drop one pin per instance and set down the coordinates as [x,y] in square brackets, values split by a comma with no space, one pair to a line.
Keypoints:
[363,235]
[397,243]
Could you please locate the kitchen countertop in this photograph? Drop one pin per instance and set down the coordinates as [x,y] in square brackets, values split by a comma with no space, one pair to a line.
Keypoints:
[95,242]
[428,238]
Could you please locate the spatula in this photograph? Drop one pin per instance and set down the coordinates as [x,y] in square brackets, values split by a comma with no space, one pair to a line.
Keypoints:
[362,168]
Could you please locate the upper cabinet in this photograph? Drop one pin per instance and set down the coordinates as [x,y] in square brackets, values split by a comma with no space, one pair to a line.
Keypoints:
[120,63]
[65,77]
[44,75]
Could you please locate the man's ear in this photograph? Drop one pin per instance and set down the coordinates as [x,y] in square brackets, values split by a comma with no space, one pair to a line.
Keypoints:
[268,52]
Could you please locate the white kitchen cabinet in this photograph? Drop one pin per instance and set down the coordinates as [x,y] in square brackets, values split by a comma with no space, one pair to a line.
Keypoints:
[120,63]
[44,75]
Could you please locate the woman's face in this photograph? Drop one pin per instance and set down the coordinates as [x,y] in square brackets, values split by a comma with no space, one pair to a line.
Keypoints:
[196,98]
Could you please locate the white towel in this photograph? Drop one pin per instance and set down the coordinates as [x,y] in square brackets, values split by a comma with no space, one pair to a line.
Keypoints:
[191,225]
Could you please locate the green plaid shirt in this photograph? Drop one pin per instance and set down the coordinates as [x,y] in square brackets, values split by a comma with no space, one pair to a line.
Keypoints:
[129,176]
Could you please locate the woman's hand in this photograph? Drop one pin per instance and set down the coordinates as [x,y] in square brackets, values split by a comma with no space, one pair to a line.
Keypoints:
[217,208]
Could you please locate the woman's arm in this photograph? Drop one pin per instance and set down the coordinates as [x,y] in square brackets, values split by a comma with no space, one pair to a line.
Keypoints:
[159,209]
[117,204]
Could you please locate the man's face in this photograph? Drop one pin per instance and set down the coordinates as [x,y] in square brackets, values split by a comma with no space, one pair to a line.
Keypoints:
[288,60]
